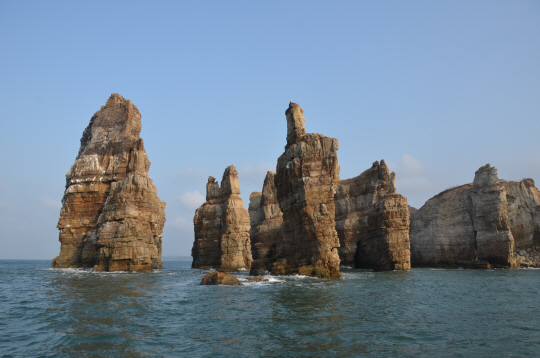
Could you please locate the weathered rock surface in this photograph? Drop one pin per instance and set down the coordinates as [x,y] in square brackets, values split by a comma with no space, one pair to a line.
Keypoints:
[372,221]
[111,218]
[222,226]
[266,220]
[487,221]
[220,278]
[305,181]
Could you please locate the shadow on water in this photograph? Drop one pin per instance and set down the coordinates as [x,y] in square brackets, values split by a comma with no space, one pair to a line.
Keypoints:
[100,314]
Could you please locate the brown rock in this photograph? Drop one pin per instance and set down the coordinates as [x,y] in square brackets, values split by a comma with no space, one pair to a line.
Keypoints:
[111,218]
[306,179]
[372,221]
[489,220]
[266,220]
[220,278]
[222,226]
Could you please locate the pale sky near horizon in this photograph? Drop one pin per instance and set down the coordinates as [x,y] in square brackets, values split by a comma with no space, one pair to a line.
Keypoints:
[436,88]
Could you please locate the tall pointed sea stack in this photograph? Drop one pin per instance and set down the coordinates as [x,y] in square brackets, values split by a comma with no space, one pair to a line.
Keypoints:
[372,221]
[222,226]
[306,180]
[111,218]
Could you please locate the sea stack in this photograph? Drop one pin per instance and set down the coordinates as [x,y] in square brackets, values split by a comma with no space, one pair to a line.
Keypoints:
[266,220]
[372,221]
[489,223]
[222,227]
[306,179]
[111,217]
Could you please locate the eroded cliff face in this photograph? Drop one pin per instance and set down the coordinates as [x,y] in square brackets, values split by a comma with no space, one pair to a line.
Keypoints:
[111,218]
[372,221]
[266,220]
[490,223]
[222,226]
[305,181]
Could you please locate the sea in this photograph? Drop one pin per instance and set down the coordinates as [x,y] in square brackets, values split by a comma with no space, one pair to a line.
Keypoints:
[421,313]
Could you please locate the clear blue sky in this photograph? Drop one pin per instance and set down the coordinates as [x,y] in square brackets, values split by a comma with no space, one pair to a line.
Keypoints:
[436,88]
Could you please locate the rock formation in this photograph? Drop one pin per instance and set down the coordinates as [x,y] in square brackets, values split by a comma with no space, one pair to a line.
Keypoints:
[484,224]
[266,220]
[206,249]
[306,179]
[111,218]
[220,278]
[372,221]
[222,226]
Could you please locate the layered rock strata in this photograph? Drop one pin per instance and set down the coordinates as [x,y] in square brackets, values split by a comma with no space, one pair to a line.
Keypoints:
[266,220]
[222,226]
[305,180]
[111,217]
[484,224]
[372,221]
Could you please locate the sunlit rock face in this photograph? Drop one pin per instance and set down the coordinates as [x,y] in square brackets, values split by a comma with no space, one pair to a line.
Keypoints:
[372,221]
[305,181]
[111,218]
[266,220]
[222,226]
[490,223]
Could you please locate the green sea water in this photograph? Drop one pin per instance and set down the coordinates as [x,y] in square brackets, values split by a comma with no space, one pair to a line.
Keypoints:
[421,313]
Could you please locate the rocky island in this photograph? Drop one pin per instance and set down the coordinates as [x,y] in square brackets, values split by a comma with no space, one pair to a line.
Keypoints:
[111,217]
[489,223]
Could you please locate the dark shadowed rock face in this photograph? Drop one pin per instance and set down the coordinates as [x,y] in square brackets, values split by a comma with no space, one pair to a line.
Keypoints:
[111,218]
[222,226]
[206,249]
[266,220]
[491,220]
[305,181]
[372,221]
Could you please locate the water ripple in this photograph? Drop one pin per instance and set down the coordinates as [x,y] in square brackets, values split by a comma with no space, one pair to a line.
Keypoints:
[422,313]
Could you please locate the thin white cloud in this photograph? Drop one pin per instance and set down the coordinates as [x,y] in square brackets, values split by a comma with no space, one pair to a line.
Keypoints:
[50,203]
[183,223]
[414,180]
[254,176]
[191,200]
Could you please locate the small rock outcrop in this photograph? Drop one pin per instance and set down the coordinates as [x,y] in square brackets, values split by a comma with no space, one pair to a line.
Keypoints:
[489,223]
[220,278]
[111,217]
[266,220]
[305,181]
[222,226]
[372,221]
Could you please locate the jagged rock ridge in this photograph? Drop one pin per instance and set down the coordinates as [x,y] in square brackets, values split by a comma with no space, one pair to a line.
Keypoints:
[222,226]
[111,217]
[489,223]
[372,221]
